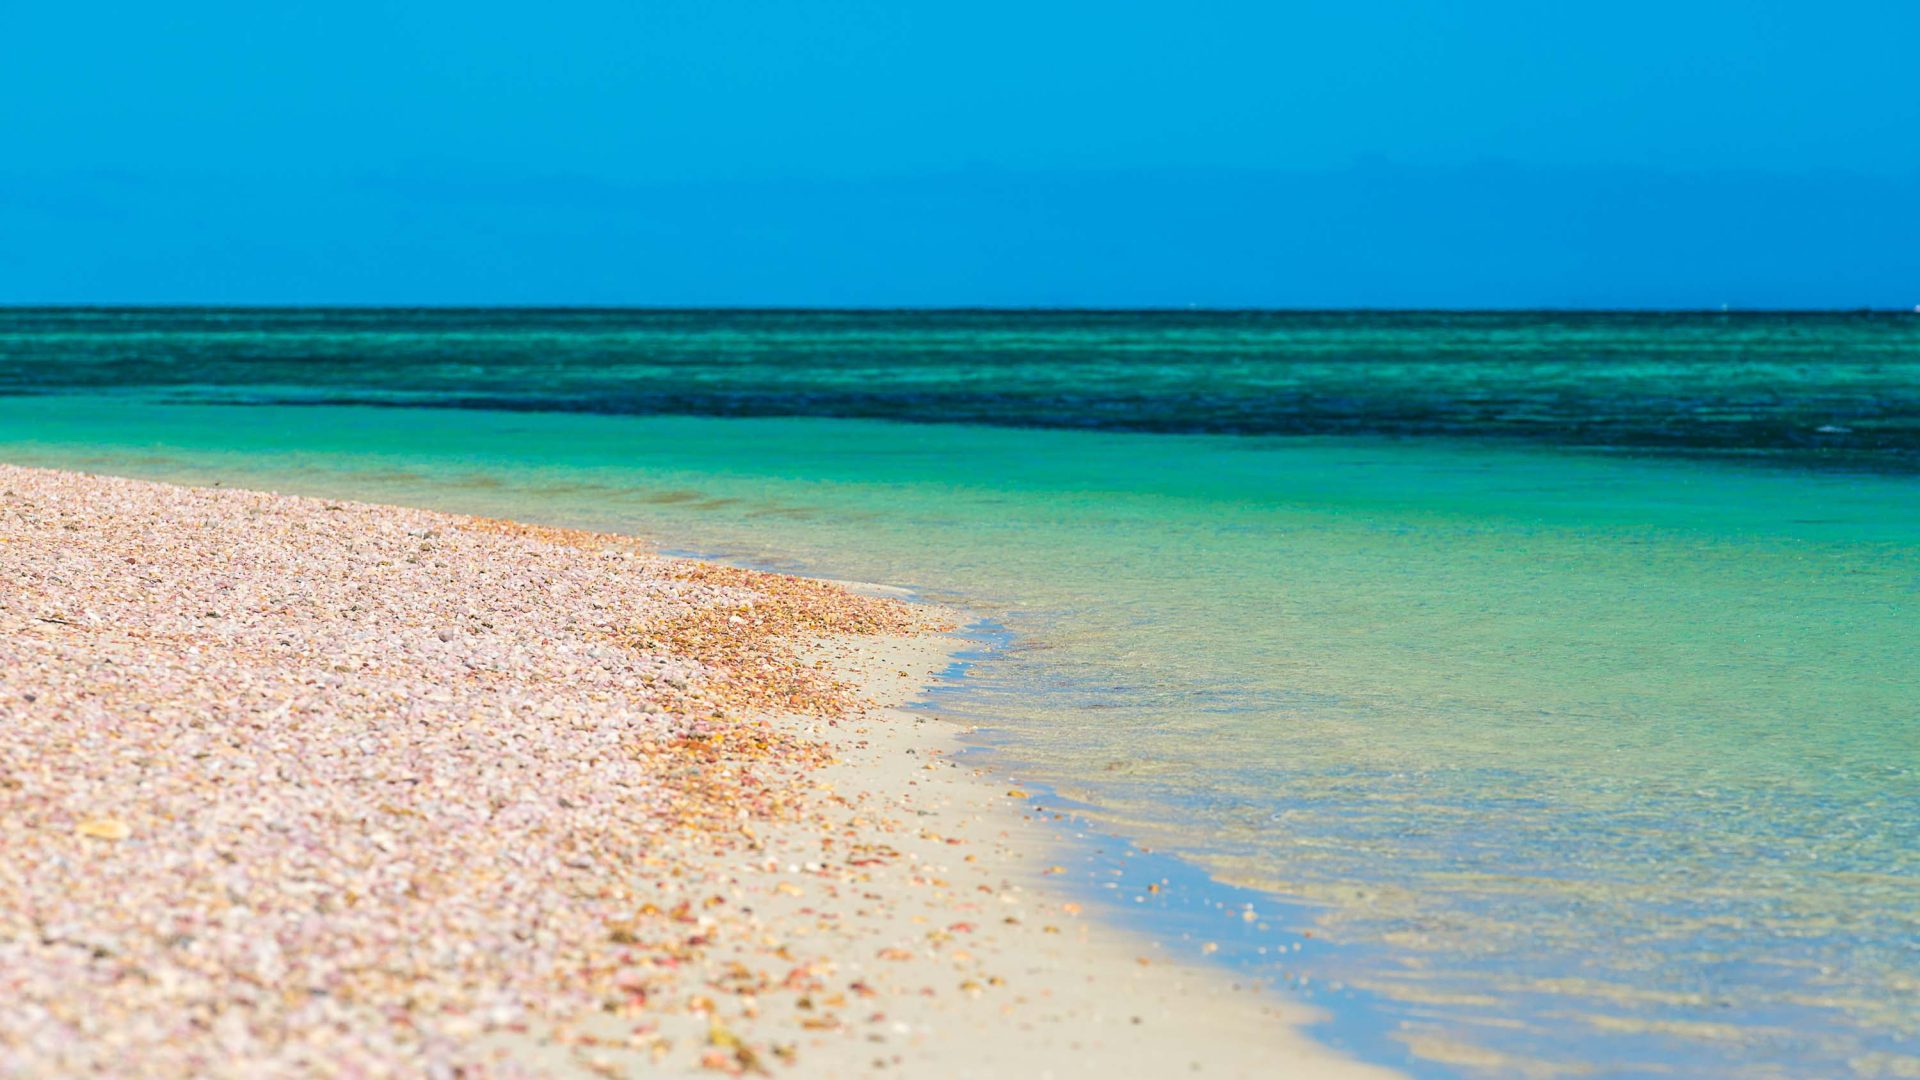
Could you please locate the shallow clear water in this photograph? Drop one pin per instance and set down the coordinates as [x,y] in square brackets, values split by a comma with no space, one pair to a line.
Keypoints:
[1597,759]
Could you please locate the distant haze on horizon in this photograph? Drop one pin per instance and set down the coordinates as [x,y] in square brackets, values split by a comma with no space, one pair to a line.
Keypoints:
[1380,153]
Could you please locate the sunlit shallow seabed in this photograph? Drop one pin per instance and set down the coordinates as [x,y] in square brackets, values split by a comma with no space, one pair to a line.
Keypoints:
[1595,761]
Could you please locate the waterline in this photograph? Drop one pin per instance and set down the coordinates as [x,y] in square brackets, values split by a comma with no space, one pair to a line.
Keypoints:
[1616,752]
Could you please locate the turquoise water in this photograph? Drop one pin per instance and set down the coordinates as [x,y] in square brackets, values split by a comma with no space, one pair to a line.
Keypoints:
[1589,721]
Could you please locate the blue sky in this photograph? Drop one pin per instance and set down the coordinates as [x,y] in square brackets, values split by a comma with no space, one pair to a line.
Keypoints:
[1369,152]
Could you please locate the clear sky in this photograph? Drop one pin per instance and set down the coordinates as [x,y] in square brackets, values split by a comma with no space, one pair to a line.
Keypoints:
[1359,152]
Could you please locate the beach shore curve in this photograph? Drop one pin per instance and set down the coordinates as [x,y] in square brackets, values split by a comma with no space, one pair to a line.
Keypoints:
[296,786]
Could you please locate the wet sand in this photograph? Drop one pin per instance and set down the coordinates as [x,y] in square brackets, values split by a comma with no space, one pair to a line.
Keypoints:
[294,786]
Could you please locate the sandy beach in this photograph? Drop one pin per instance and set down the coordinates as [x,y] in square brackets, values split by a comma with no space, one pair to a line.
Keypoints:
[303,787]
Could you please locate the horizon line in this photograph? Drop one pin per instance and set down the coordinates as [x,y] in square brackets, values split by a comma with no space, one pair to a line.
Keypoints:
[878,309]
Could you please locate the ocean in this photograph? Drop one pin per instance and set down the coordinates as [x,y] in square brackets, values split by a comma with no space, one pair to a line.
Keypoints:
[1560,672]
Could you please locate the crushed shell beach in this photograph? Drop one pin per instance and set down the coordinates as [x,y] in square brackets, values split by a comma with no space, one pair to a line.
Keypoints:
[298,787]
